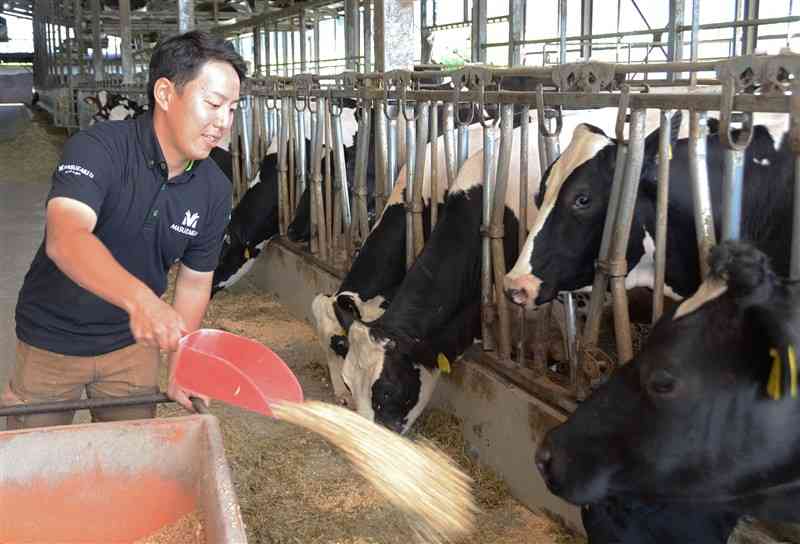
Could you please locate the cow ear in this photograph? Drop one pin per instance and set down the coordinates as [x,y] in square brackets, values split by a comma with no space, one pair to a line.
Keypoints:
[346,311]
[746,271]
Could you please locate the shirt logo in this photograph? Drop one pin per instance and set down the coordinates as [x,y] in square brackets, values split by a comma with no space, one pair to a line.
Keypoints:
[75,170]
[190,219]
[188,225]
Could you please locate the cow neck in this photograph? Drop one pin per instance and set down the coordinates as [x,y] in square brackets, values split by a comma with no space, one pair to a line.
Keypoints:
[446,275]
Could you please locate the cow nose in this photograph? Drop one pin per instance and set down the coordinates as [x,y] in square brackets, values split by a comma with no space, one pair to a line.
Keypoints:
[543,459]
[521,290]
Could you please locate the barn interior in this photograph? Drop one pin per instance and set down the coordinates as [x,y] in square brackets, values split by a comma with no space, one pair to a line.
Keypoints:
[391,84]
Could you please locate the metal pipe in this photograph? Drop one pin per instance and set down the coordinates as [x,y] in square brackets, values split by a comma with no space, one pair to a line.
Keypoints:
[82,404]
[245,111]
[732,178]
[463,146]
[185,15]
[701,194]
[592,328]
[125,38]
[283,165]
[300,146]
[497,229]
[316,179]
[340,178]
[434,185]
[490,134]
[618,267]
[523,177]
[450,143]
[695,38]
[419,175]
[570,339]
[662,202]
[411,159]
[381,164]
[326,118]
[362,157]
[391,155]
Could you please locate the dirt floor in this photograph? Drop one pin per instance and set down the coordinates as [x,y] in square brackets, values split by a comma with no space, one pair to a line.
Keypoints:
[32,154]
[295,488]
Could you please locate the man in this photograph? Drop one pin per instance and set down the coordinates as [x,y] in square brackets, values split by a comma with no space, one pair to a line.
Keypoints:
[129,199]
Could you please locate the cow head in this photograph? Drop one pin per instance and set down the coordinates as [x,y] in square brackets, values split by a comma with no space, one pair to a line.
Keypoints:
[560,252]
[707,410]
[391,379]
[236,259]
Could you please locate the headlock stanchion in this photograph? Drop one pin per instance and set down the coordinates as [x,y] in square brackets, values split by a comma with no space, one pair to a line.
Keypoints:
[662,204]
[701,194]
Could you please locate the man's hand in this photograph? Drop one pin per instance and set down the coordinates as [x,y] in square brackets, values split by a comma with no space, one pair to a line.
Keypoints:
[178,394]
[155,323]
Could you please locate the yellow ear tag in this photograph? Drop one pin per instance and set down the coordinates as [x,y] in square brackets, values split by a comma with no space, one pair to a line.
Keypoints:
[778,382]
[774,382]
[444,363]
[247,253]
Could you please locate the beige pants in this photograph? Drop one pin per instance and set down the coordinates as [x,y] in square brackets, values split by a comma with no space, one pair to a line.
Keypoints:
[43,376]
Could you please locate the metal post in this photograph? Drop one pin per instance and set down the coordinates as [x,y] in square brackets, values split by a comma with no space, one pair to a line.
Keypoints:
[257,62]
[701,194]
[391,22]
[300,149]
[367,35]
[303,41]
[362,157]
[497,229]
[434,196]
[391,155]
[381,166]
[750,33]
[516,29]
[340,178]
[316,179]
[326,119]
[562,31]
[695,38]
[490,134]
[283,166]
[351,34]
[478,30]
[733,165]
[185,15]
[450,143]
[244,112]
[125,38]
[586,28]
[463,145]
[523,176]
[675,44]
[618,267]
[285,40]
[419,175]
[411,158]
[316,45]
[79,33]
[662,202]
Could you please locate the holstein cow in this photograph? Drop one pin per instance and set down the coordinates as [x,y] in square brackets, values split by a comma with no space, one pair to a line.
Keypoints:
[113,107]
[378,269]
[703,417]
[561,248]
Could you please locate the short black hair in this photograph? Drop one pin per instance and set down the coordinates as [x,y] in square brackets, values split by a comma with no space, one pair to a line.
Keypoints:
[180,57]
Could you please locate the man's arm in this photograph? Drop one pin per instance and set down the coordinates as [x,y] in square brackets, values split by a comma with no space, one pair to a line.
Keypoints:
[73,247]
[192,293]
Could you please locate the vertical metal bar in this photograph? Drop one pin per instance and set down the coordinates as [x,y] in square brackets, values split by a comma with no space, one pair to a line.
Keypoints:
[185,15]
[411,159]
[524,131]
[257,50]
[736,13]
[326,118]
[750,33]
[303,41]
[562,31]
[341,181]
[379,38]
[125,38]
[675,45]
[463,145]
[316,46]
[244,112]
[516,28]
[367,35]
[391,155]
[290,121]
[450,143]
[490,134]
[285,36]
[497,229]
[434,196]
[695,38]
[381,167]
[351,34]
[478,30]
[662,201]
[570,344]
[316,179]
[300,151]
[79,34]
[283,165]
[362,157]
[586,28]
[419,175]
[733,174]
[701,195]
[622,230]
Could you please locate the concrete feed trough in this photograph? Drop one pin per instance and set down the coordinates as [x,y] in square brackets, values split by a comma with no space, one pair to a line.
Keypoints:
[116,482]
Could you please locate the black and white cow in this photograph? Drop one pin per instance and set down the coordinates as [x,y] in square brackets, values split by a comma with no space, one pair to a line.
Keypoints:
[113,107]
[561,248]
[703,417]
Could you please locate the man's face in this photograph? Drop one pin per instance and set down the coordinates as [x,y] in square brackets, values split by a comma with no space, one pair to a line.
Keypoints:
[200,114]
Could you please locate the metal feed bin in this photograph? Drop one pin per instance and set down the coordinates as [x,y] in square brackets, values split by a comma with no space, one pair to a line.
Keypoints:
[116,482]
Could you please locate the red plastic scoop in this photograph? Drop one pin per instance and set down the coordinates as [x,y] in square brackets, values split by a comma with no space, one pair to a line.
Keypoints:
[234,370]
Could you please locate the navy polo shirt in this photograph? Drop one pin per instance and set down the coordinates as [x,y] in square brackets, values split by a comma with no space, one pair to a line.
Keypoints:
[147,223]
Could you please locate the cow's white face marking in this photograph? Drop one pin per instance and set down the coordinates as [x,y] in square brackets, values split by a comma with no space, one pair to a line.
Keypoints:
[585,144]
[362,367]
[243,270]
[428,380]
[709,290]
[644,273]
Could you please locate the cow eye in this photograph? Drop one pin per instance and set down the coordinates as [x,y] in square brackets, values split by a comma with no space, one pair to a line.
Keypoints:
[582,202]
[661,383]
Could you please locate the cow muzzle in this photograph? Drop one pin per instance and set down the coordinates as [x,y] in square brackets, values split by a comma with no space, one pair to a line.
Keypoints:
[522,290]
